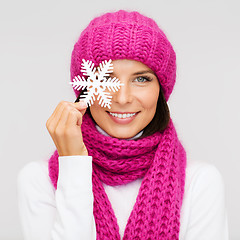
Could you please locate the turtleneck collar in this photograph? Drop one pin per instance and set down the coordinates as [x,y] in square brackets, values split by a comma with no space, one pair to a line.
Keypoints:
[105,134]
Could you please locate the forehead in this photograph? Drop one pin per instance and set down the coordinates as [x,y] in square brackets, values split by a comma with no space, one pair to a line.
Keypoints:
[130,67]
[129,63]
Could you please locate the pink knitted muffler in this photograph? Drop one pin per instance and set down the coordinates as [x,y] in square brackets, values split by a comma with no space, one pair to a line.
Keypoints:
[159,159]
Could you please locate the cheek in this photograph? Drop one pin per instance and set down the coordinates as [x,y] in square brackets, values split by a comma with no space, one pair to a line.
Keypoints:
[95,111]
[149,99]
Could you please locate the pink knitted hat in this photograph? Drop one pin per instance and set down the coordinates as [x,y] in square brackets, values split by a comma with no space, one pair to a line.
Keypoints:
[126,35]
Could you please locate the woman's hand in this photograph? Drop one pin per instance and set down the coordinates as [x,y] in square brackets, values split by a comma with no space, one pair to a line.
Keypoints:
[64,126]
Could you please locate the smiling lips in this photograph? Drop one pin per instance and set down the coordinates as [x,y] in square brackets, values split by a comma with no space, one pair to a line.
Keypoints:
[123,117]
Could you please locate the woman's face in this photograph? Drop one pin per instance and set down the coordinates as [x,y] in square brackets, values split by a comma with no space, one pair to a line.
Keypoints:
[133,105]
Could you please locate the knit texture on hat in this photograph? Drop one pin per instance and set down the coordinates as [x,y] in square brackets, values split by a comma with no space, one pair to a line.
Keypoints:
[126,35]
[159,159]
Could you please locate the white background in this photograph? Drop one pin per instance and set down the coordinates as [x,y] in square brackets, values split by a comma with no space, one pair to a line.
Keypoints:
[36,40]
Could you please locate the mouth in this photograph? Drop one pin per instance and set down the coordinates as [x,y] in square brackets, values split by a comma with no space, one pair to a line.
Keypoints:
[122,117]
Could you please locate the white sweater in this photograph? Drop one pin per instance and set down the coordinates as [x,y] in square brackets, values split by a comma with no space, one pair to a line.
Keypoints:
[67,213]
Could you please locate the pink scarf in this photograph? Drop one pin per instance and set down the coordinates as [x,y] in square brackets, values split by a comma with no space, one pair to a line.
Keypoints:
[160,159]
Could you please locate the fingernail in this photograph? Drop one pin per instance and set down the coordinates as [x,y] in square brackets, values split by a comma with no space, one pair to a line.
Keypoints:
[83,104]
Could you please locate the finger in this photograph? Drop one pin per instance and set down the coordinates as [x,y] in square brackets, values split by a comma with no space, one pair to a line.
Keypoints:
[58,108]
[80,107]
[74,118]
[54,119]
[61,124]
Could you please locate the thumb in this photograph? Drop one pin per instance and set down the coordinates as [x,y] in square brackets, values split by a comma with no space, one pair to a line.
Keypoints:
[82,107]
[83,111]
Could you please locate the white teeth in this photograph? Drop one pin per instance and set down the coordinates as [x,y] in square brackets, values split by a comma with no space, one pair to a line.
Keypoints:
[125,115]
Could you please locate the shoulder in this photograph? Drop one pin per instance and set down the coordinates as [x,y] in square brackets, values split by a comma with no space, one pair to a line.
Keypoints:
[33,170]
[204,196]
[202,175]
[33,176]
[204,210]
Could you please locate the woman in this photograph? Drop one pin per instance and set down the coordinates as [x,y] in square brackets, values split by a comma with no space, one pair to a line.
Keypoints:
[121,173]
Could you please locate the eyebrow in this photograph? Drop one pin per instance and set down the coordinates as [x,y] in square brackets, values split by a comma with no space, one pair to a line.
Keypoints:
[140,72]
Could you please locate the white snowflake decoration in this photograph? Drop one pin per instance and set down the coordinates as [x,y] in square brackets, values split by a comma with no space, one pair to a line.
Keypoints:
[96,83]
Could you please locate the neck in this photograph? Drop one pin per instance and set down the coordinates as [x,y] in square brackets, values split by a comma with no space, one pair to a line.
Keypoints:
[105,134]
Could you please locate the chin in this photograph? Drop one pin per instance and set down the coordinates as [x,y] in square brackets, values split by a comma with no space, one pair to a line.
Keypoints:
[122,134]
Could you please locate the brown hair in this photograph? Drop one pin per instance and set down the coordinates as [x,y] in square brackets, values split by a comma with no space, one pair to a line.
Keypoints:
[160,119]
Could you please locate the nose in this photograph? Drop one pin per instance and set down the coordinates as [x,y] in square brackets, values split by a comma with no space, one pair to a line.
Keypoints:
[123,95]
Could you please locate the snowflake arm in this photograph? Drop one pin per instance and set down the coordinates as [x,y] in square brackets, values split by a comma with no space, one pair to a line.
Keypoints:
[105,99]
[104,69]
[112,84]
[79,83]
[88,69]
[88,97]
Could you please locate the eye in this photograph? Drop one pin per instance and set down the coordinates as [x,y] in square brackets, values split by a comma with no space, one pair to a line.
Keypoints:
[142,79]
[107,77]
